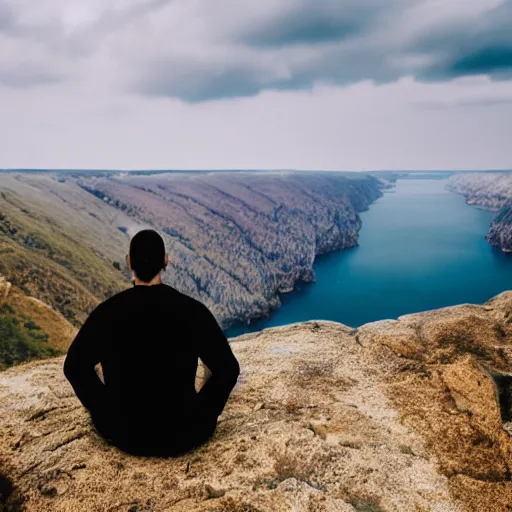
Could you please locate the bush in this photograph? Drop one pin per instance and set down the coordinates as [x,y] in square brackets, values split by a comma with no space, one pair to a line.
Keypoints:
[19,343]
[6,309]
[31,325]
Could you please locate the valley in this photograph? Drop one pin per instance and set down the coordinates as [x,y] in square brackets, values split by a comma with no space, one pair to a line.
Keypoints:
[236,241]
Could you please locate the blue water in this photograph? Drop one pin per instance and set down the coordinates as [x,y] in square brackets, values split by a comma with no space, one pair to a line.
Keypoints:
[421,247]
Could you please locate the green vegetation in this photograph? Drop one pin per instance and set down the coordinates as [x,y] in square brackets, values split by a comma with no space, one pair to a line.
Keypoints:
[406,449]
[21,340]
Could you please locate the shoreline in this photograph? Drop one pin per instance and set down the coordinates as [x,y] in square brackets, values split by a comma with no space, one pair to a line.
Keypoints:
[258,324]
[293,288]
[490,195]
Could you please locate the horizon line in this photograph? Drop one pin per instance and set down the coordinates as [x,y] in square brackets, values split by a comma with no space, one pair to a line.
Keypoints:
[149,170]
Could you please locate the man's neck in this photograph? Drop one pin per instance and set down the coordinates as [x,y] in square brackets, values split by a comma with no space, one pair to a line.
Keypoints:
[156,280]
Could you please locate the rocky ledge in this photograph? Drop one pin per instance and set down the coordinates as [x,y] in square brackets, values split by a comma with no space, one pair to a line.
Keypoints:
[500,230]
[406,415]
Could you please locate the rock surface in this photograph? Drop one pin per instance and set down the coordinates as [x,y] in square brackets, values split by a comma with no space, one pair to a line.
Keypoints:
[407,415]
[492,192]
[500,231]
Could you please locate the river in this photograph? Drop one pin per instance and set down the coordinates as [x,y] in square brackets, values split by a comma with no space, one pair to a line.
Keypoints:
[421,247]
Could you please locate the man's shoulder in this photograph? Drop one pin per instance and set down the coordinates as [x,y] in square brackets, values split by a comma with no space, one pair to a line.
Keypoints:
[194,305]
[114,299]
[169,292]
[187,300]
[112,303]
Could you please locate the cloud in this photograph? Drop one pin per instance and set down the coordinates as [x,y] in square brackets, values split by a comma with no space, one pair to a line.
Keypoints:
[23,75]
[355,84]
[225,73]
[6,16]
[195,82]
[494,60]
[288,45]
[202,50]
[298,43]
[357,127]
[312,22]
[24,63]
[472,47]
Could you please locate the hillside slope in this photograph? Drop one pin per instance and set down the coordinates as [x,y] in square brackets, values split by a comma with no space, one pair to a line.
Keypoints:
[407,415]
[235,240]
[57,245]
[29,328]
[492,192]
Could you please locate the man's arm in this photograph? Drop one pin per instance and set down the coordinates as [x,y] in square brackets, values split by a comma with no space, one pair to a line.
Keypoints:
[215,352]
[83,355]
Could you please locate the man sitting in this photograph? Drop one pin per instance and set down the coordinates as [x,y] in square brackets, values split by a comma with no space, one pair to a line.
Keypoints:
[148,339]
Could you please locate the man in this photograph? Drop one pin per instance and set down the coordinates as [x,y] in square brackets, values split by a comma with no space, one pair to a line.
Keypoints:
[148,339]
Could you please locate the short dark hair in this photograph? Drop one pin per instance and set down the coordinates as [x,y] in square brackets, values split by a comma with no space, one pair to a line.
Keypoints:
[147,254]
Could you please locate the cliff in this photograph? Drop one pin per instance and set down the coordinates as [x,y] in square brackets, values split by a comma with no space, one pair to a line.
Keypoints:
[406,415]
[492,191]
[236,240]
[500,231]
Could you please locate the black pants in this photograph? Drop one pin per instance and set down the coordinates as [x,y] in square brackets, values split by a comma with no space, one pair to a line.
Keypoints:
[156,440]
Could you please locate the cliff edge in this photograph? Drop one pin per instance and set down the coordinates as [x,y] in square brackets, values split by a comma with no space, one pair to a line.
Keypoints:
[406,415]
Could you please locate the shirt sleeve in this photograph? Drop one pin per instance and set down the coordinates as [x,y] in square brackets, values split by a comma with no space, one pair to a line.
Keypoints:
[215,352]
[82,357]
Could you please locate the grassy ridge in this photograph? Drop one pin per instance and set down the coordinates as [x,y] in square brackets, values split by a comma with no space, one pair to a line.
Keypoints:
[21,339]
[46,251]
[29,329]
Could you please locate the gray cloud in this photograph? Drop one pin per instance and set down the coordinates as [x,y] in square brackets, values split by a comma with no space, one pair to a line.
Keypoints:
[313,22]
[199,51]
[69,69]
[496,60]
[299,43]
[247,74]
[195,83]
[292,46]
[23,76]
[46,49]
[481,47]
[6,16]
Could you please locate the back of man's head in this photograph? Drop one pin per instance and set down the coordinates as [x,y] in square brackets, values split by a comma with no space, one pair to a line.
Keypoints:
[147,254]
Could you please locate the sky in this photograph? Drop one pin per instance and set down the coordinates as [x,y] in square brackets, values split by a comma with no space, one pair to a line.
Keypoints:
[260,84]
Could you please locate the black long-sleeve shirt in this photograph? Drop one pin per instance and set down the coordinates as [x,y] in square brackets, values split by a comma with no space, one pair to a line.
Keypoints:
[148,340]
